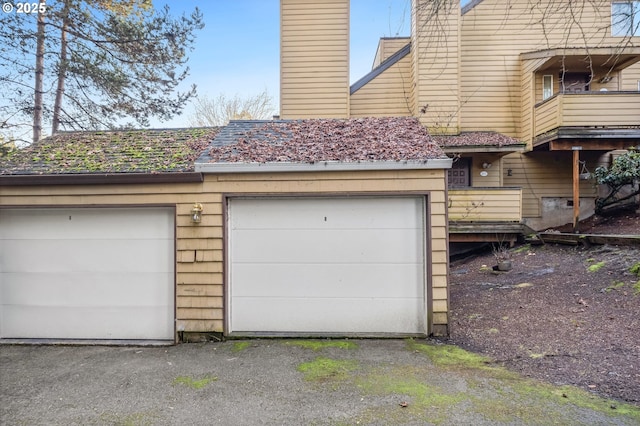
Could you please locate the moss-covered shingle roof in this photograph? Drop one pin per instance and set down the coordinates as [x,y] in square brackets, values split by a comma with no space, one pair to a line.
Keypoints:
[100,152]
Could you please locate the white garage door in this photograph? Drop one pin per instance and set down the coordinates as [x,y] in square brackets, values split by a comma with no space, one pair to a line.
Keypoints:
[78,273]
[326,266]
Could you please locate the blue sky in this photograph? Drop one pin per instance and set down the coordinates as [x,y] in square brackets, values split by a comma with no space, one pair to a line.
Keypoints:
[238,50]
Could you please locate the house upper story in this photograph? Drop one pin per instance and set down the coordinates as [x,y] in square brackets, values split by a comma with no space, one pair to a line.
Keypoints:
[544,72]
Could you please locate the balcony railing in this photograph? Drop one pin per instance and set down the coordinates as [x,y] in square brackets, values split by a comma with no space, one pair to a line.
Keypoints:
[587,109]
[485,205]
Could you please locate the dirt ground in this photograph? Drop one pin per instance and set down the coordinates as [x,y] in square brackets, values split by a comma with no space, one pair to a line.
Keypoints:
[563,314]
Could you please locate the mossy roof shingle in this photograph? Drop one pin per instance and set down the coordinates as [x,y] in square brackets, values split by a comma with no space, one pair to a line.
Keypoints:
[252,141]
[100,152]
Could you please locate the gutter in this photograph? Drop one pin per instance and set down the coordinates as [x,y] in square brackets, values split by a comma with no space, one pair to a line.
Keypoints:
[100,179]
[322,166]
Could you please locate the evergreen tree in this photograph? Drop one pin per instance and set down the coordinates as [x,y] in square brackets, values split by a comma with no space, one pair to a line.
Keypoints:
[90,64]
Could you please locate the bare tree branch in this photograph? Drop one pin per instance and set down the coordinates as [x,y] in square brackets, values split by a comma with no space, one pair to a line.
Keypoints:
[220,110]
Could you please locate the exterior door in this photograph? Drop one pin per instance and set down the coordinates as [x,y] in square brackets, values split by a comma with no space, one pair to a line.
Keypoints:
[459,173]
[575,82]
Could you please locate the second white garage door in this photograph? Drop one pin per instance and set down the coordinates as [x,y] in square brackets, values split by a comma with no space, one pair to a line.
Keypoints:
[87,273]
[326,266]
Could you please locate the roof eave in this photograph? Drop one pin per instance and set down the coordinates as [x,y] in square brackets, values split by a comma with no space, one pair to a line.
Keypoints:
[483,148]
[99,178]
[323,166]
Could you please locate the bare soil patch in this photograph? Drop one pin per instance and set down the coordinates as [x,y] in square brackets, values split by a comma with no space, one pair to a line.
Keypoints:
[563,314]
[624,220]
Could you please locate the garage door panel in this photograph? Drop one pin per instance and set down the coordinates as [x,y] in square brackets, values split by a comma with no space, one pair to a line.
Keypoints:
[96,255]
[332,265]
[316,280]
[330,315]
[106,273]
[308,246]
[85,224]
[350,213]
[78,289]
[34,322]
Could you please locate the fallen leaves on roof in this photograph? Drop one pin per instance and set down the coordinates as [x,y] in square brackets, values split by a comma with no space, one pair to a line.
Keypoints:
[493,139]
[315,140]
[126,151]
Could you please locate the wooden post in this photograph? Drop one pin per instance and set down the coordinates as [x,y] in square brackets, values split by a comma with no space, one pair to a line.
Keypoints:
[576,187]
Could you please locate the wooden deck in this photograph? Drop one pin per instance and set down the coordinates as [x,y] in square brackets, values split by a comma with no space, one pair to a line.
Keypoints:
[487,232]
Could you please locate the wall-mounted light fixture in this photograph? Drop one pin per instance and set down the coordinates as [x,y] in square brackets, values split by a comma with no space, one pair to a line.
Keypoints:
[605,79]
[196,213]
[509,172]
[486,165]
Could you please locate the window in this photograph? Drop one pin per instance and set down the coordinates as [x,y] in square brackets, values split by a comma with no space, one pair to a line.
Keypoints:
[547,86]
[625,18]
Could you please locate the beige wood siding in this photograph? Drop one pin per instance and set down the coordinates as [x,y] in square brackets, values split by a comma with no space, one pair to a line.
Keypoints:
[314,59]
[494,94]
[527,96]
[545,174]
[493,177]
[387,46]
[200,256]
[435,56]
[604,108]
[610,109]
[630,79]
[547,115]
[485,204]
[387,95]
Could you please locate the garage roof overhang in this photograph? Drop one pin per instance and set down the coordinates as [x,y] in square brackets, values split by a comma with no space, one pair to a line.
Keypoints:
[99,179]
[471,142]
[484,149]
[321,166]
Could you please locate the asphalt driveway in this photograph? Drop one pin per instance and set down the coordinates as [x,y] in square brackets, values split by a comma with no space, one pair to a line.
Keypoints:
[282,382]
